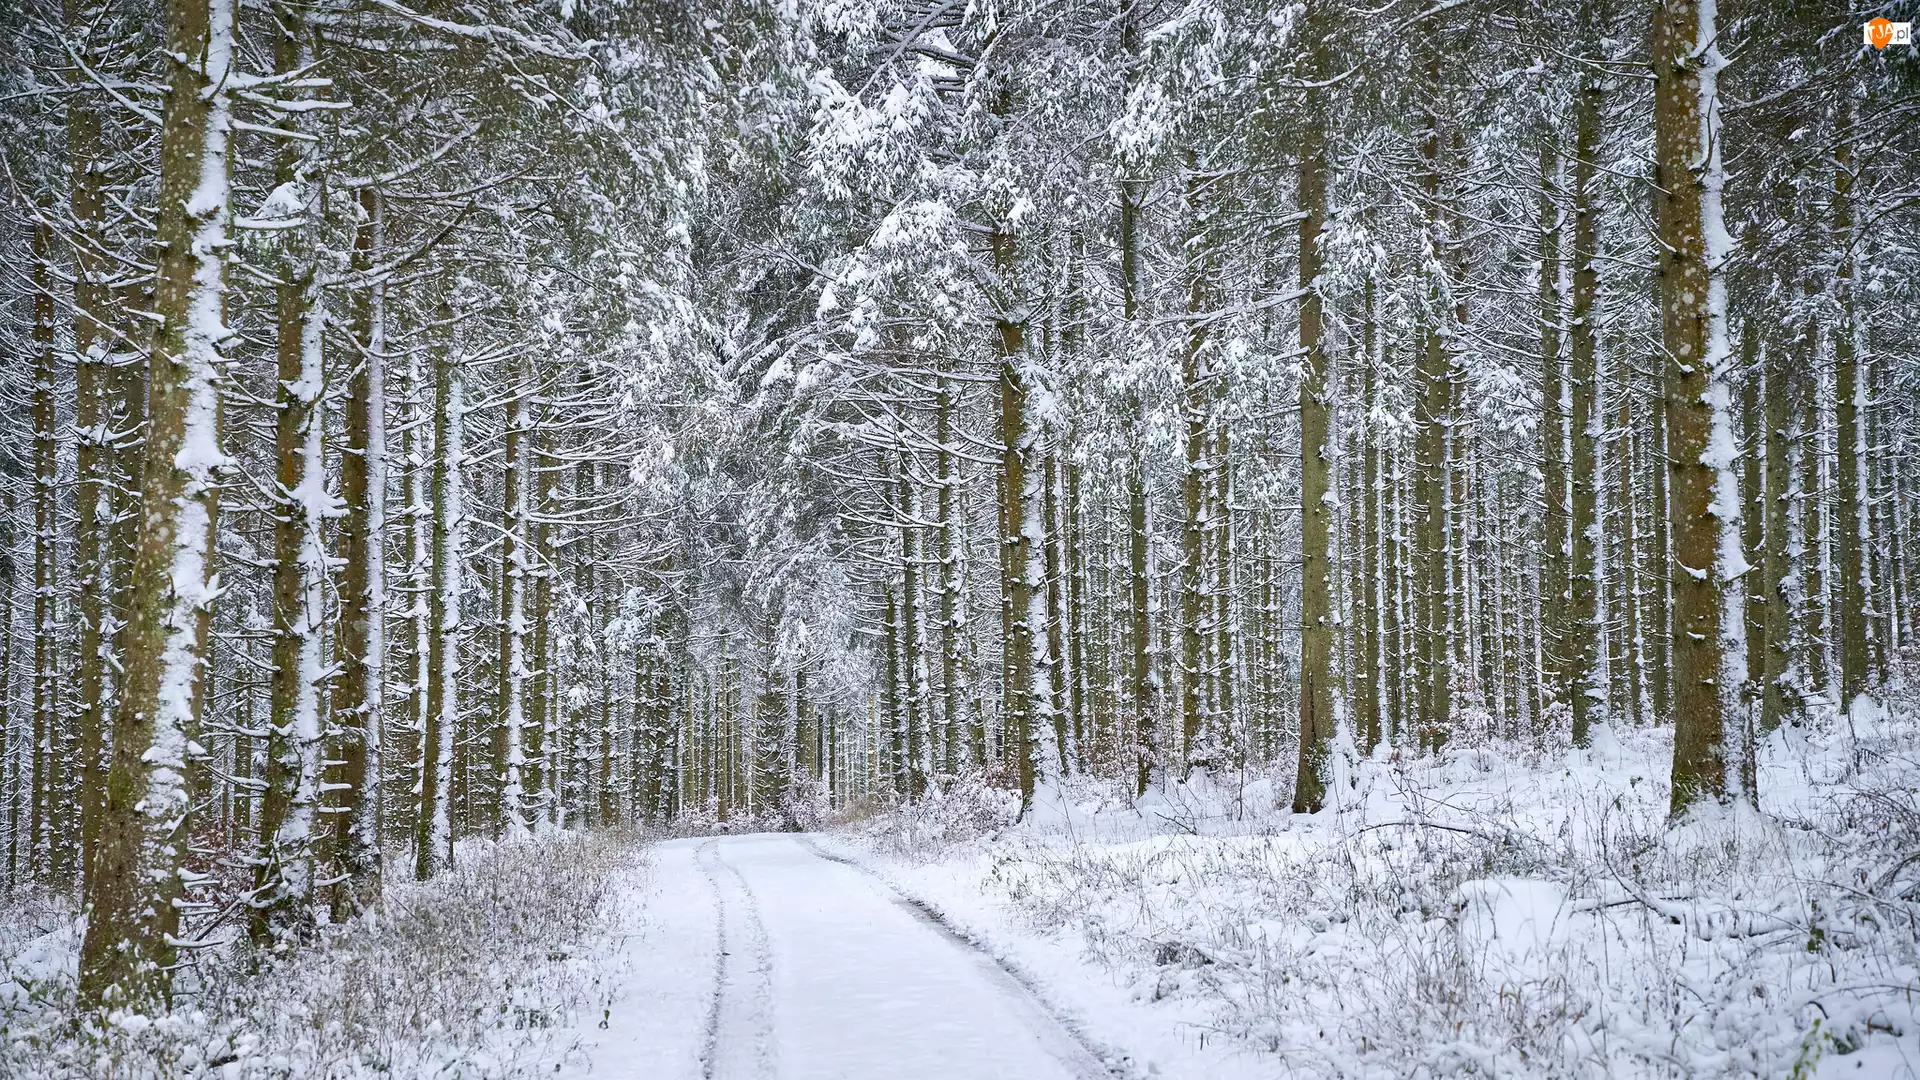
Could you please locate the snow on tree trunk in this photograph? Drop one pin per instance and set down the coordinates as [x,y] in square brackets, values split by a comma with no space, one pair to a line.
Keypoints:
[1433,707]
[1046,747]
[513,585]
[1775,581]
[129,948]
[1317,502]
[1195,404]
[281,905]
[282,901]
[95,455]
[433,830]
[1853,533]
[1019,691]
[1585,681]
[1556,679]
[48,826]
[360,639]
[1709,653]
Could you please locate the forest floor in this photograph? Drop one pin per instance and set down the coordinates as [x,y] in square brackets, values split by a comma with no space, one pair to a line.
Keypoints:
[493,969]
[1495,911]
[766,955]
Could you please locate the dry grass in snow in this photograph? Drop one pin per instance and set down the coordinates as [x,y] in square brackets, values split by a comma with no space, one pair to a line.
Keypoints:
[1490,912]
[487,971]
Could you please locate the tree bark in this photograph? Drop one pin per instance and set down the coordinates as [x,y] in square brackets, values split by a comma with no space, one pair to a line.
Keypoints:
[281,905]
[511,756]
[129,949]
[1433,418]
[433,827]
[1557,679]
[1709,625]
[94,456]
[50,755]
[1853,490]
[1587,692]
[1317,615]
[1774,582]
[1195,604]
[360,640]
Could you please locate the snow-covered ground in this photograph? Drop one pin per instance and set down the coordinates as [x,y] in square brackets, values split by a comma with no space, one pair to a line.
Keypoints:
[760,956]
[1491,912]
[493,969]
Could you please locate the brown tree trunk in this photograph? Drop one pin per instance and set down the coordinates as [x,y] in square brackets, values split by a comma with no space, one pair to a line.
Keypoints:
[1587,693]
[360,637]
[129,948]
[1705,506]
[1317,614]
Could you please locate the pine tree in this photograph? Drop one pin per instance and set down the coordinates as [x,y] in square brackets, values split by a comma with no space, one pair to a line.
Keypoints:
[127,956]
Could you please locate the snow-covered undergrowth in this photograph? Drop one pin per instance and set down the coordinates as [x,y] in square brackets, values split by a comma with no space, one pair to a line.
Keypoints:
[489,970]
[1492,911]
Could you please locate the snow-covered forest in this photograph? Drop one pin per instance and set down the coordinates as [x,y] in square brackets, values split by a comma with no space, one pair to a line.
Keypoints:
[1335,455]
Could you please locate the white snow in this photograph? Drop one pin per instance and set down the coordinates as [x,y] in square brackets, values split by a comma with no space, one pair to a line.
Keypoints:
[1499,911]
[487,972]
[759,957]
[199,455]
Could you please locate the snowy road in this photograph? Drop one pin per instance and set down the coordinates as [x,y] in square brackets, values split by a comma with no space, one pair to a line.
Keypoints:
[762,960]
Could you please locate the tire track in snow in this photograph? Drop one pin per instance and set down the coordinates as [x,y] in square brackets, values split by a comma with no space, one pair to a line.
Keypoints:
[719,961]
[1074,1048]
[739,1039]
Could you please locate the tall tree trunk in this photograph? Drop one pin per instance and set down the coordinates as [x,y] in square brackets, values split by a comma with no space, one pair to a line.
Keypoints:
[1584,681]
[1222,587]
[1659,561]
[1709,624]
[1774,581]
[1077,613]
[418,430]
[1053,517]
[952,581]
[50,758]
[1433,394]
[360,640]
[1557,679]
[128,952]
[1368,596]
[15,794]
[281,906]
[1195,604]
[1813,531]
[433,826]
[1853,490]
[1752,498]
[511,765]
[1393,614]
[1632,685]
[1145,684]
[1047,744]
[1885,553]
[912,639]
[1317,614]
[1018,700]
[93,464]
[541,710]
